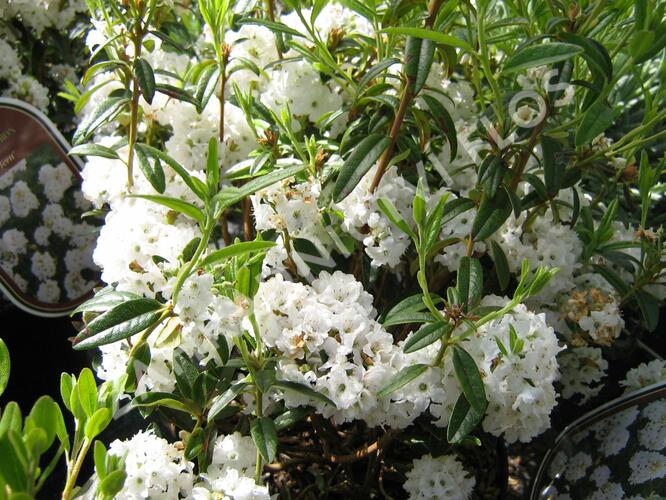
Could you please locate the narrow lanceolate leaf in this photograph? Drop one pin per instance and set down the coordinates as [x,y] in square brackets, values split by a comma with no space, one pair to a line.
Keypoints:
[193,183]
[426,335]
[598,117]
[264,436]
[419,53]
[121,322]
[181,206]
[553,167]
[649,306]
[230,196]
[445,122]
[594,53]
[410,310]
[304,390]
[146,78]
[221,401]
[470,281]
[539,55]
[491,215]
[167,399]
[501,265]
[176,93]
[94,150]
[454,208]
[105,112]
[212,166]
[235,250]
[105,299]
[394,216]
[5,366]
[463,420]
[375,71]
[153,172]
[364,156]
[206,85]
[402,378]
[469,377]
[185,371]
[435,36]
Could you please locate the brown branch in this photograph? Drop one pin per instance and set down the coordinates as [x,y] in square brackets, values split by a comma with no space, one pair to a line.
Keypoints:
[363,452]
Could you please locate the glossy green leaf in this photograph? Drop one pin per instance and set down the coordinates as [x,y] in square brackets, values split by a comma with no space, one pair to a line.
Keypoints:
[463,420]
[445,122]
[97,423]
[435,36]
[501,265]
[153,172]
[553,166]
[212,166]
[123,321]
[113,483]
[264,436]
[236,250]
[470,281]
[540,55]
[105,299]
[492,213]
[593,52]
[150,399]
[185,371]
[86,387]
[5,366]
[419,53]
[291,417]
[303,390]
[181,206]
[144,74]
[426,335]
[469,377]
[197,187]
[105,112]
[94,150]
[402,378]
[364,156]
[221,401]
[597,118]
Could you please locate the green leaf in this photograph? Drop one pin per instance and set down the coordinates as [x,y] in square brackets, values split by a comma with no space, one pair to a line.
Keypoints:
[598,117]
[236,250]
[553,166]
[463,420]
[433,226]
[154,173]
[5,366]
[492,213]
[193,183]
[445,122]
[146,78]
[374,72]
[426,335]
[221,401]
[105,299]
[456,207]
[364,156]
[212,166]
[419,53]
[176,93]
[230,196]
[593,52]
[12,467]
[649,306]
[86,388]
[181,206]
[469,377]
[470,281]
[104,113]
[435,36]
[206,85]
[94,150]
[150,399]
[304,390]
[185,371]
[394,216]
[44,415]
[491,173]
[275,27]
[540,55]
[195,443]
[401,379]
[97,423]
[121,322]
[264,436]
[501,265]
[291,416]
[409,310]
[113,483]
[11,418]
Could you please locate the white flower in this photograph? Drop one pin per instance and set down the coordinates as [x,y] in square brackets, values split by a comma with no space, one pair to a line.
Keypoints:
[582,369]
[13,242]
[23,199]
[55,180]
[43,265]
[646,466]
[5,208]
[48,292]
[612,431]
[438,478]
[644,375]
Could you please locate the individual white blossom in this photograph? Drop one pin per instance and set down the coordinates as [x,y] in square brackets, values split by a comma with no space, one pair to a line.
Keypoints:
[436,478]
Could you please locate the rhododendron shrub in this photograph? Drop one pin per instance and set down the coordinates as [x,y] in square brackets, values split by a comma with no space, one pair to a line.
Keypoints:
[332,228]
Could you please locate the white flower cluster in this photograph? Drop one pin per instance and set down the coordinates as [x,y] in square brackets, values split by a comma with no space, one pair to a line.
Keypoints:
[384,242]
[436,478]
[158,469]
[582,369]
[42,14]
[644,375]
[331,342]
[19,84]
[231,472]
